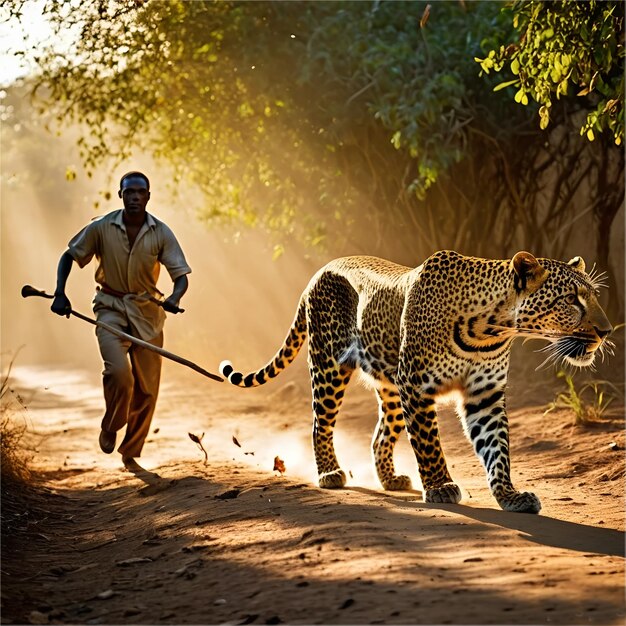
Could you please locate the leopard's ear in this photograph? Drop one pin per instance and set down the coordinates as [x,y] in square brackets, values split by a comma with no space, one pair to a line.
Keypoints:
[529,273]
[577,263]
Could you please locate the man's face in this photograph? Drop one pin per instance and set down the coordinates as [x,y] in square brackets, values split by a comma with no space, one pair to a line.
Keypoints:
[135,194]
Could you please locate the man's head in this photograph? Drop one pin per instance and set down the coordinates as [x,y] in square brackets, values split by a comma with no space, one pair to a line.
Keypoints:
[134,191]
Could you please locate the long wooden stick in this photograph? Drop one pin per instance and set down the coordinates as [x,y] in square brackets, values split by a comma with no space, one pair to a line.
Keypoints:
[28,291]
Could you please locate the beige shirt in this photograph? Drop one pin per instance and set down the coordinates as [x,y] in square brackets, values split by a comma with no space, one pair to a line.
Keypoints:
[133,272]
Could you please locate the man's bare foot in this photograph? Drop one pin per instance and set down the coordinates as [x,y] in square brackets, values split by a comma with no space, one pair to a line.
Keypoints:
[131,464]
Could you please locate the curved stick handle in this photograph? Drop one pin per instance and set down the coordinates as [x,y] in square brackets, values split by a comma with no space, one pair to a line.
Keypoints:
[29,290]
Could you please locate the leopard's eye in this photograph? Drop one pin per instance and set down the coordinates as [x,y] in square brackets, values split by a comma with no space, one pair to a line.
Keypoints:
[571,298]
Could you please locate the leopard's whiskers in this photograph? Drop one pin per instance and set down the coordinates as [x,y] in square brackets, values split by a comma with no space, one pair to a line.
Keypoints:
[557,351]
[597,279]
[541,334]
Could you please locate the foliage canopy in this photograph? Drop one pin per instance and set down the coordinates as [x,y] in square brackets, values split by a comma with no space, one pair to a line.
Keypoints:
[566,47]
[278,109]
[317,120]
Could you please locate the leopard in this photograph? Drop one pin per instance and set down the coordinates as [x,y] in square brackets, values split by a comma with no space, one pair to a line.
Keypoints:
[418,334]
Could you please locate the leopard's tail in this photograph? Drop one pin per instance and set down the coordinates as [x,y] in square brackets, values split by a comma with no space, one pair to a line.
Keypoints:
[283,358]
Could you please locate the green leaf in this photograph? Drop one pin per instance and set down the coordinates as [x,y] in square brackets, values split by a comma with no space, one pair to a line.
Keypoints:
[508,83]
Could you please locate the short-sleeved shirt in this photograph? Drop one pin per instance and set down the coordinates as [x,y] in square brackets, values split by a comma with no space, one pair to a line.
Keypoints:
[131,271]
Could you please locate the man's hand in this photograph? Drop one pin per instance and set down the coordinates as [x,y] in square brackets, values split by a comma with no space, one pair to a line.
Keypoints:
[171,305]
[180,287]
[61,305]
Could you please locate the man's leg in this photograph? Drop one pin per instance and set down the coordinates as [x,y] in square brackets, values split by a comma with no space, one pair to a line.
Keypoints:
[117,377]
[146,367]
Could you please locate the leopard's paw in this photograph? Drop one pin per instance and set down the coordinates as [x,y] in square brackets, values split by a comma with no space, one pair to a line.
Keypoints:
[332,480]
[446,494]
[520,502]
[397,483]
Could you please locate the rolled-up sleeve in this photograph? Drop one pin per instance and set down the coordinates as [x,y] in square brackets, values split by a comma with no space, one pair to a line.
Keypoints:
[85,244]
[172,256]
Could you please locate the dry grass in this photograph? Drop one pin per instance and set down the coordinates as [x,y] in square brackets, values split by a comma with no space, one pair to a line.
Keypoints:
[17,485]
[15,461]
[14,458]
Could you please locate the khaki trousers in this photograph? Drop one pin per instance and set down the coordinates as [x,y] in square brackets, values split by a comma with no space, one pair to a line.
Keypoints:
[130,379]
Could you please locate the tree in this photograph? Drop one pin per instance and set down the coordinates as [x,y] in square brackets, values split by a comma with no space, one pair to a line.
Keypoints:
[567,46]
[297,117]
[335,121]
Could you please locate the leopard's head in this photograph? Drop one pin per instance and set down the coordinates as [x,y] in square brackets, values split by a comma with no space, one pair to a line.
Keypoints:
[558,301]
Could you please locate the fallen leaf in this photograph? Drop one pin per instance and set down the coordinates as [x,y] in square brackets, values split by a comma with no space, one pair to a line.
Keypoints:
[198,441]
[195,438]
[105,595]
[236,442]
[279,465]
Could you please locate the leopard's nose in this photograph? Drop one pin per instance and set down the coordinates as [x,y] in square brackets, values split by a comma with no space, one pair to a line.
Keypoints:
[603,332]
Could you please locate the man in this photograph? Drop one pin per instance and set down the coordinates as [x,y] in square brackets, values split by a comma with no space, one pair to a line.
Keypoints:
[129,245]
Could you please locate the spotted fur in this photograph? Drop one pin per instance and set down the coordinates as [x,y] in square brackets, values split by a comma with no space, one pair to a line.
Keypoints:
[420,333]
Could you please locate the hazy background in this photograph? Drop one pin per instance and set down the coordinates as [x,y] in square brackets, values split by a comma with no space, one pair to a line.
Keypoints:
[241,299]
[283,136]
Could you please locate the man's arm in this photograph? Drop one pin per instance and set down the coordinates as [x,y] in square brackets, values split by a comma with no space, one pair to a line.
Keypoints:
[180,287]
[61,304]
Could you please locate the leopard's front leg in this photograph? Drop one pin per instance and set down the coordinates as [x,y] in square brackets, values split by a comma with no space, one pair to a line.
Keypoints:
[420,418]
[487,427]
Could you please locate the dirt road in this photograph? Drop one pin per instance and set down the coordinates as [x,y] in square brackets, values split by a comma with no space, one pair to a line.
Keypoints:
[232,541]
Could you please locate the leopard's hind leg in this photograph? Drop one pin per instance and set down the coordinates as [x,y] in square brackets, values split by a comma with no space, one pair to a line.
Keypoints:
[390,426]
[328,385]
[331,317]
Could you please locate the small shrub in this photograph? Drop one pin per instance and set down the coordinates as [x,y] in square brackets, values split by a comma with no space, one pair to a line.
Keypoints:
[588,402]
[13,456]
